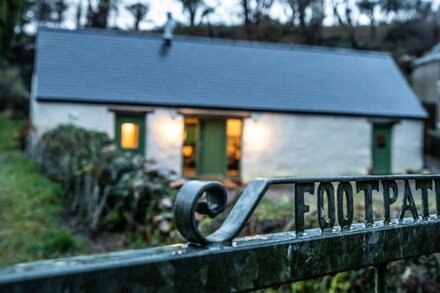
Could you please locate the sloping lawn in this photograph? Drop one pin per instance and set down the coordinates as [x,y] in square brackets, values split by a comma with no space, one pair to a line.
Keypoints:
[30,207]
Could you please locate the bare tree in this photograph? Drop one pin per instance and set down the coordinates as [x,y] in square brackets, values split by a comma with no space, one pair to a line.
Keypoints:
[253,12]
[345,19]
[78,15]
[60,8]
[368,7]
[262,8]
[192,7]
[293,8]
[139,11]
[309,14]
[206,13]
[393,6]
[205,18]
[423,9]
[43,11]
[98,16]
[302,6]
[245,4]
[314,32]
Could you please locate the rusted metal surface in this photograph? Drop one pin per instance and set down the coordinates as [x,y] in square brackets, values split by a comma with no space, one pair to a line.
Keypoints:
[218,262]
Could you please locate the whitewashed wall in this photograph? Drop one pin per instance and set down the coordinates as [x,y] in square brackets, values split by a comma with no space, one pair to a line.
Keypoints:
[407,148]
[424,81]
[46,116]
[274,145]
[318,145]
[305,145]
[165,138]
[164,129]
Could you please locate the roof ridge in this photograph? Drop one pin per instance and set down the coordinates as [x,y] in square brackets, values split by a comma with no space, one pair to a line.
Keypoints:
[223,42]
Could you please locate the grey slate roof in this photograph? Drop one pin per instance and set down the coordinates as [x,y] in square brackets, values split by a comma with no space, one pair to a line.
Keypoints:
[431,56]
[125,68]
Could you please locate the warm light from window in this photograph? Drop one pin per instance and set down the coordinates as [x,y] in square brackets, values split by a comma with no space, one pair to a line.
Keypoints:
[129,135]
[233,127]
[255,133]
[187,151]
[233,145]
[173,130]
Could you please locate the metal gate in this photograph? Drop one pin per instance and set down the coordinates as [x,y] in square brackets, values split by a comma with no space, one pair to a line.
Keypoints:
[221,262]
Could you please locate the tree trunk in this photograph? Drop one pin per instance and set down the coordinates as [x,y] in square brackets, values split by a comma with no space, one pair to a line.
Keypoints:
[136,24]
[347,27]
[302,22]
[192,17]
[78,14]
[372,30]
[100,18]
[247,21]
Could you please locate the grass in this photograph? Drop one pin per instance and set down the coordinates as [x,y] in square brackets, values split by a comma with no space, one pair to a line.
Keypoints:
[30,207]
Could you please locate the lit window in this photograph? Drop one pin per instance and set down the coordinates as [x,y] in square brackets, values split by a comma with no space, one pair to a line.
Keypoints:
[233,145]
[233,128]
[189,146]
[129,135]
[188,151]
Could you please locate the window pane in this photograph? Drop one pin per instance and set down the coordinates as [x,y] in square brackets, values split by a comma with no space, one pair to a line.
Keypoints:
[233,145]
[189,147]
[381,141]
[129,135]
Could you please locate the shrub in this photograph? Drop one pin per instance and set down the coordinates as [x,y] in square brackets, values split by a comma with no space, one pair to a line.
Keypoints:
[68,151]
[108,188]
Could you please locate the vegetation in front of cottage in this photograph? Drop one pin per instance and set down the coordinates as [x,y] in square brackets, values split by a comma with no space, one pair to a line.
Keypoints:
[107,188]
[30,207]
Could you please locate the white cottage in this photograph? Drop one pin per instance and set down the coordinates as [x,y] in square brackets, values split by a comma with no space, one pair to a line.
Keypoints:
[217,108]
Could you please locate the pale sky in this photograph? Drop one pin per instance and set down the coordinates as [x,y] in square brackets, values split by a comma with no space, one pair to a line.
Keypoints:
[226,11]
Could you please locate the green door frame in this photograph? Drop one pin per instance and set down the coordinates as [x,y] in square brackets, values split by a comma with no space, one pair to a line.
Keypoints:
[138,119]
[381,148]
[211,148]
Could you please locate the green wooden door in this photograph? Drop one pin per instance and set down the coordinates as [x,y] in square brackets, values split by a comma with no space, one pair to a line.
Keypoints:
[130,133]
[211,158]
[381,149]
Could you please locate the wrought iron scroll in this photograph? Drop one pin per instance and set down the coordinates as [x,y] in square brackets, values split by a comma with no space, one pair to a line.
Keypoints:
[210,198]
[187,203]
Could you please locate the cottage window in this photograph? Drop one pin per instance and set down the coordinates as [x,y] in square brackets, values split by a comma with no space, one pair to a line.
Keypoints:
[129,135]
[130,132]
[189,146]
[380,141]
[233,146]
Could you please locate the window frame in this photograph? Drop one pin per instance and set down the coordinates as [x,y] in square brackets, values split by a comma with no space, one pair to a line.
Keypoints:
[135,118]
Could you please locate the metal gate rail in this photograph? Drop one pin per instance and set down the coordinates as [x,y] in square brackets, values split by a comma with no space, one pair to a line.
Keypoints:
[221,262]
